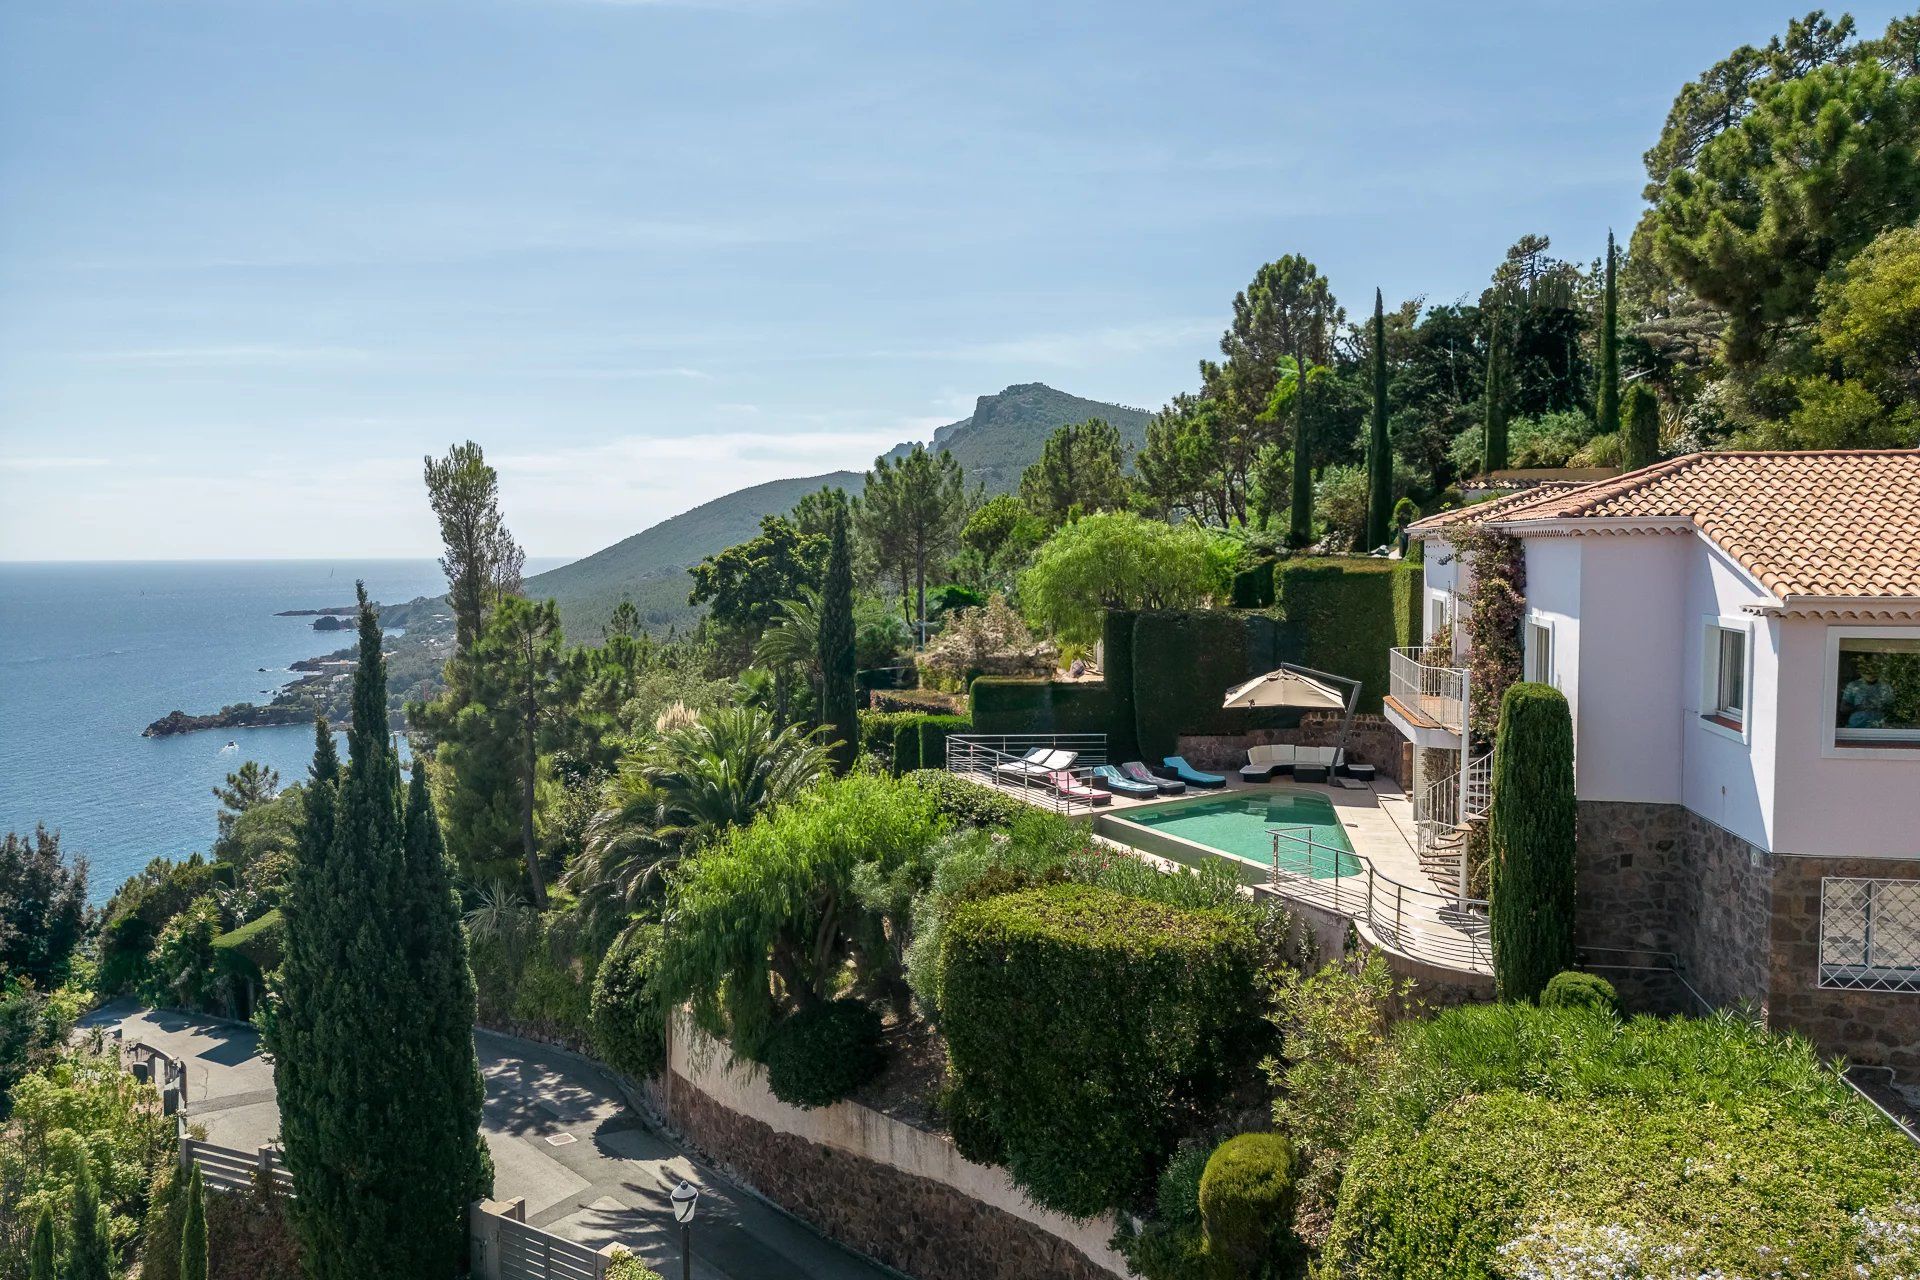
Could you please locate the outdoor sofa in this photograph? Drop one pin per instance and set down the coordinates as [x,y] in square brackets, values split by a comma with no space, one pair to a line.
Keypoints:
[1265,761]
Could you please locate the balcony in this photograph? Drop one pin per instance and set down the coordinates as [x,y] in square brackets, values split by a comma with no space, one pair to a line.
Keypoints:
[1427,703]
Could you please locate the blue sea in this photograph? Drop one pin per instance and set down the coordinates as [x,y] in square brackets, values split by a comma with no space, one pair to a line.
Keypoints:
[90,654]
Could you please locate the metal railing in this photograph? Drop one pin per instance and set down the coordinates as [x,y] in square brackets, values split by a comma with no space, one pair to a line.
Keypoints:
[993,759]
[1451,801]
[1438,693]
[1441,928]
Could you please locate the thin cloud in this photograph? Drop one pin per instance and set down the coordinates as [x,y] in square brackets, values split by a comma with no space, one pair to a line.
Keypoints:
[56,463]
[261,355]
[1070,349]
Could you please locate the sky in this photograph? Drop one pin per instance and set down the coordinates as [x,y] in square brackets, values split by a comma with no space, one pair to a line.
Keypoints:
[258,257]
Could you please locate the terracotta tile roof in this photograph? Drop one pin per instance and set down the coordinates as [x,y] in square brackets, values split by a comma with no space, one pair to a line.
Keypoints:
[1839,523]
[1506,505]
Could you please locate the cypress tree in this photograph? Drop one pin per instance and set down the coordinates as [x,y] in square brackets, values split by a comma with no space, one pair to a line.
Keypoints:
[1496,398]
[839,701]
[193,1231]
[379,1128]
[91,1254]
[40,1256]
[1530,837]
[1379,449]
[1608,415]
[1300,505]
[1641,448]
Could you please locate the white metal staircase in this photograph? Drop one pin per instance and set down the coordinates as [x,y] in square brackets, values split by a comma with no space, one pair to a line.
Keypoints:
[1444,815]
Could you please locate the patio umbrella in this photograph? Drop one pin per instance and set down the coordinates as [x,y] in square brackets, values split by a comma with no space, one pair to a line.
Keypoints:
[1287,688]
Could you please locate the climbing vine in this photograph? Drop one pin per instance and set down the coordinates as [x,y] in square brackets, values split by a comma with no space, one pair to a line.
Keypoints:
[1496,608]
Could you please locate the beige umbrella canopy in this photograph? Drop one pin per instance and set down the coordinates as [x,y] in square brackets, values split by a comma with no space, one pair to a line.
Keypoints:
[1287,688]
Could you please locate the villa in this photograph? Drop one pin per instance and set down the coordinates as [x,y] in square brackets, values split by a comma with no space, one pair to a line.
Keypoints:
[1738,636]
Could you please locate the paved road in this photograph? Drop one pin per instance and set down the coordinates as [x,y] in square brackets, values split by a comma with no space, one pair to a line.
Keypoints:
[589,1168]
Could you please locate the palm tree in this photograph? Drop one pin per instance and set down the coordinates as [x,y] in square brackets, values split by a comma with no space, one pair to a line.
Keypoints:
[694,782]
[794,641]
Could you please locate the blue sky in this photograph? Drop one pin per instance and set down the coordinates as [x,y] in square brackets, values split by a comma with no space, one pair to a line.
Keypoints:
[258,256]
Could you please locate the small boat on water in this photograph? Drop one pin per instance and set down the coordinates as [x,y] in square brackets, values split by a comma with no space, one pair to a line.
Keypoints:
[231,745]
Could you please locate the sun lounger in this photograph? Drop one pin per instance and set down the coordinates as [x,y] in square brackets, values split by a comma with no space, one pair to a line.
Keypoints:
[1074,789]
[1134,771]
[1031,765]
[1108,778]
[1178,768]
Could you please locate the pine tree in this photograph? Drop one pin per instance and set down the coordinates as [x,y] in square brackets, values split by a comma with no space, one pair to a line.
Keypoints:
[40,1258]
[1379,448]
[1608,415]
[1530,838]
[1641,448]
[91,1255]
[839,705]
[193,1231]
[1496,397]
[380,1128]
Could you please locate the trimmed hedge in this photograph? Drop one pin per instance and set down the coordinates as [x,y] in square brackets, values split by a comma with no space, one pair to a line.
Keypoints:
[1571,989]
[1123,737]
[934,731]
[966,802]
[877,729]
[629,1027]
[1185,661]
[1350,610]
[821,1054]
[906,745]
[1253,587]
[1246,1205]
[1010,704]
[1530,838]
[1084,1027]
[254,949]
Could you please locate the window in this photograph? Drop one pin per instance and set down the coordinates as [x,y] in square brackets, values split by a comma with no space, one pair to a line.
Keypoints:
[1724,690]
[1876,688]
[1870,934]
[1539,663]
[1442,615]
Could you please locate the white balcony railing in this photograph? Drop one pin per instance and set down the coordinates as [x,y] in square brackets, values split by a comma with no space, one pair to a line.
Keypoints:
[1438,694]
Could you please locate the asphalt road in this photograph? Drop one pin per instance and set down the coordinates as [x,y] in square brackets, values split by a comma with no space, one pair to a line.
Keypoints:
[562,1137]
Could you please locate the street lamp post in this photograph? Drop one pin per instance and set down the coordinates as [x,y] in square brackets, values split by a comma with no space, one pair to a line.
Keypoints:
[685,1197]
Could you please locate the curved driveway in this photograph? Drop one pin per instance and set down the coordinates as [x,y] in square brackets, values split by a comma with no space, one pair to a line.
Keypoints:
[562,1137]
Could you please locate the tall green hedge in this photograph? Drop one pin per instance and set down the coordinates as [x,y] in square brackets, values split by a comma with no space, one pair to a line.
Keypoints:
[1253,587]
[1123,738]
[934,731]
[1185,661]
[1009,704]
[1350,610]
[906,746]
[1531,836]
[1084,1026]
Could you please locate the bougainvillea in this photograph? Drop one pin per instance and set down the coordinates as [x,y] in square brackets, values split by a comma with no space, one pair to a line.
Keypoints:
[1496,607]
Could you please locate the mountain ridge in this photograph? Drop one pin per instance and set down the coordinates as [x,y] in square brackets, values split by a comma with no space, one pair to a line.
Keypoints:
[994,445]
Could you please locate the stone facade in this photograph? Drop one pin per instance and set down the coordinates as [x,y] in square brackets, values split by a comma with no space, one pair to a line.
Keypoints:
[1682,914]
[924,1228]
[1371,740]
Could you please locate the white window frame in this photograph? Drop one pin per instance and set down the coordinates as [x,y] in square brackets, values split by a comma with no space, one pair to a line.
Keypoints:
[1860,894]
[1831,746]
[1710,673]
[1439,612]
[1545,625]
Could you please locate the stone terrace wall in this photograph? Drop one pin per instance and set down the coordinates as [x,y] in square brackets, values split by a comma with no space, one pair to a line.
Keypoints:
[1721,914]
[1877,1027]
[1629,857]
[893,1192]
[1372,740]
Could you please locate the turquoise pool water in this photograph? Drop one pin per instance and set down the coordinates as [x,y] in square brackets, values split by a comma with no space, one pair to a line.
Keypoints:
[1238,824]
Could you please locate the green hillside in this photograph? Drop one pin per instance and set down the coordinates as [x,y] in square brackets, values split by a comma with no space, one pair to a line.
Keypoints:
[995,444]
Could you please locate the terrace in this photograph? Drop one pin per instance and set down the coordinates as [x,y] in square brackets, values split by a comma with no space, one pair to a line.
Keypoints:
[1427,703]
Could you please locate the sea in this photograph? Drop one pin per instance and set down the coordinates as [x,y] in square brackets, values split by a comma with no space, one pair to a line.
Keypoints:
[92,653]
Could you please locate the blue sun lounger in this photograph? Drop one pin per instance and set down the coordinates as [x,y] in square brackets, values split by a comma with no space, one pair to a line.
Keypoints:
[1177,767]
[1134,771]
[1108,778]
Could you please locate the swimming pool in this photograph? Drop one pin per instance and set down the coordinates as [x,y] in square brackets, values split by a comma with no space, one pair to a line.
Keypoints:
[1239,825]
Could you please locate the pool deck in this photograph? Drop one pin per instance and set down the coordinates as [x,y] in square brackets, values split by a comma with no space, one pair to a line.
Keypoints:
[1378,820]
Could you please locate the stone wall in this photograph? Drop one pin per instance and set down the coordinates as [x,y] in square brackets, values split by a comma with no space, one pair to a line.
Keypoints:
[1371,740]
[1629,856]
[1721,914]
[898,1194]
[1877,1027]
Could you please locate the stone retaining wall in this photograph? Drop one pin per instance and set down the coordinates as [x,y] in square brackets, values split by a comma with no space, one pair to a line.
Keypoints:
[898,1194]
[1371,740]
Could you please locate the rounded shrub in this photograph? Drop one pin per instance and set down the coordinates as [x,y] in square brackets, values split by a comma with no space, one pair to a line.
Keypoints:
[1177,1199]
[629,1026]
[1571,989]
[1530,834]
[823,1053]
[1246,1205]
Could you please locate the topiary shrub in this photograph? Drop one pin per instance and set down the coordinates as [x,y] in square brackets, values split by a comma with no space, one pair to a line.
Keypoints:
[629,1026]
[1571,989]
[966,802]
[1246,1205]
[1084,1027]
[1184,661]
[906,745]
[1006,704]
[1530,834]
[823,1053]
[934,731]
[877,730]
[1351,611]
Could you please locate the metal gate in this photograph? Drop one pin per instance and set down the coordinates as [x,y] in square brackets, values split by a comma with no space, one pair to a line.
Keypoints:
[528,1253]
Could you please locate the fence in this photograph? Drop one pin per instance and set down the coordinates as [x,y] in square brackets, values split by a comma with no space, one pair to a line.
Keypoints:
[1440,928]
[233,1169]
[1438,693]
[504,1247]
[998,759]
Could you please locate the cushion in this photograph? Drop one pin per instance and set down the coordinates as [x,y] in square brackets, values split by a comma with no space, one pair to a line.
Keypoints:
[1284,754]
